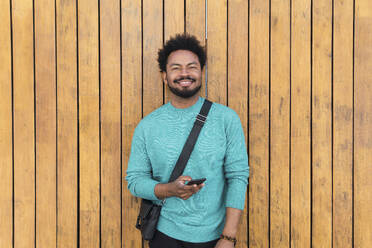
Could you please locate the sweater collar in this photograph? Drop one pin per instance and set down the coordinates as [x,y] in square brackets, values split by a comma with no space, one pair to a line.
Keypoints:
[195,107]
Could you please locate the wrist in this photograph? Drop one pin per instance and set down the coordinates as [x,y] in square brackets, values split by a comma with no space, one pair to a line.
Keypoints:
[229,238]
[231,232]
[163,190]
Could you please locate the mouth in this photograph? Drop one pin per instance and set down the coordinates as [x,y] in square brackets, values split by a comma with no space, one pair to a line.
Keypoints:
[184,82]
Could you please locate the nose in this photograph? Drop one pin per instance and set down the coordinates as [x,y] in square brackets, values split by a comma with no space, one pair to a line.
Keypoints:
[184,71]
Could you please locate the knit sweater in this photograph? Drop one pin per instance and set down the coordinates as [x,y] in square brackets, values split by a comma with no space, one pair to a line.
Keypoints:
[220,155]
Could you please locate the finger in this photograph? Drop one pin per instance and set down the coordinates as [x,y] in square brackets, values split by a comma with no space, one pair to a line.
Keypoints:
[187,194]
[201,186]
[192,188]
[180,184]
[184,178]
[186,197]
[183,194]
[195,188]
[188,187]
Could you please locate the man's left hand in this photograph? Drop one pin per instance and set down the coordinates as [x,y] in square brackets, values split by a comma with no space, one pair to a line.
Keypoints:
[222,243]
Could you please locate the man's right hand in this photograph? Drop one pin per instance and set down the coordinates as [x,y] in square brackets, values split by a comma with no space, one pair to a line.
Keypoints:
[177,188]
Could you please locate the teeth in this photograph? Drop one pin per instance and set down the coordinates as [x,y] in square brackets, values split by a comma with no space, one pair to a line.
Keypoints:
[185,83]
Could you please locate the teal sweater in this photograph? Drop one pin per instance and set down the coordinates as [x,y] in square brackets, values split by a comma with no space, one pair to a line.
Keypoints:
[220,155]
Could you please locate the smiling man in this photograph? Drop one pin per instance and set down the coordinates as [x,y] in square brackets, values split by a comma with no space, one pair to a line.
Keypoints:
[199,216]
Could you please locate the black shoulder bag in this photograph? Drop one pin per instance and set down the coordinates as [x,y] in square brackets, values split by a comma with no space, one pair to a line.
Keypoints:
[148,217]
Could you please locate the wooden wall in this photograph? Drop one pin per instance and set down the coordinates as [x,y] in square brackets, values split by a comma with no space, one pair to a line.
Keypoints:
[77,76]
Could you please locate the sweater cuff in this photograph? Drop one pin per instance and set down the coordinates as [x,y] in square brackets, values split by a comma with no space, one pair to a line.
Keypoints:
[236,194]
[146,190]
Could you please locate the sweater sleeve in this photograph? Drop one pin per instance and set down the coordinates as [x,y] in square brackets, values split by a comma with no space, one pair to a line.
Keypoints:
[236,164]
[139,172]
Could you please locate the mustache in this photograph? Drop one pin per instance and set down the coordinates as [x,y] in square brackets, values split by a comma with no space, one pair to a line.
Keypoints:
[184,78]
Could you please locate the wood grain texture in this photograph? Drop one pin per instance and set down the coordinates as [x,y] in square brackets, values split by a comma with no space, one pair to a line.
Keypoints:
[259,124]
[24,136]
[238,80]
[173,18]
[363,124]
[131,110]
[173,24]
[6,143]
[195,18]
[195,25]
[152,42]
[89,117]
[322,124]
[110,124]
[153,87]
[343,124]
[45,94]
[217,51]
[283,107]
[280,124]
[67,122]
[300,124]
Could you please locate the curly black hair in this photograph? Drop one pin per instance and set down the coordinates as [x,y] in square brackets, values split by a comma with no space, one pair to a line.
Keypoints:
[183,41]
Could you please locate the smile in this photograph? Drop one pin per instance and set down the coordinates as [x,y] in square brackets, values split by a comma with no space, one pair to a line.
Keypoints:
[185,83]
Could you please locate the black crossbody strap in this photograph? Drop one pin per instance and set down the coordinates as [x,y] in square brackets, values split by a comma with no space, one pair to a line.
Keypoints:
[191,140]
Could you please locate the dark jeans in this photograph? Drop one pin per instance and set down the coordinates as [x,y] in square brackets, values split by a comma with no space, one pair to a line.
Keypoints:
[163,241]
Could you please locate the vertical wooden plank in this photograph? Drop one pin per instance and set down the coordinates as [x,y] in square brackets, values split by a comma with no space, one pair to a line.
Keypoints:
[45,94]
[363,124]
[174,23]
[24,141]
[67,147]
[300,124]
[217,51]
[343,124]
[238,79]
[131,109]
[6,143]
[280,124]
[152,41]
[195,19]
[110,123]
[322,124]
[195,25]
[259,124]
[173,18]
[89,124]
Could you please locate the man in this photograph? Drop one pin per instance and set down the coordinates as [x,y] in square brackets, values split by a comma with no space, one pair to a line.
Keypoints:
[192,216]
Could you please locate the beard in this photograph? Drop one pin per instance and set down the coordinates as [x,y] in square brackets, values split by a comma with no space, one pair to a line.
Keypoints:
[184,93]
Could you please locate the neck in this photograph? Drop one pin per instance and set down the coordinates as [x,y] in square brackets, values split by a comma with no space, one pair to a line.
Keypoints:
[179,102]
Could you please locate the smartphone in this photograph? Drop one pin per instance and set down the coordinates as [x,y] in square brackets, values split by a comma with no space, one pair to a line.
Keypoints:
[196,181]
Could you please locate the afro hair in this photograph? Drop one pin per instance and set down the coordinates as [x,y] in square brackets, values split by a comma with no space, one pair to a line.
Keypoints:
[183,41]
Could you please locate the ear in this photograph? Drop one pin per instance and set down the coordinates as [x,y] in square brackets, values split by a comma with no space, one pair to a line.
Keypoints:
[164,77]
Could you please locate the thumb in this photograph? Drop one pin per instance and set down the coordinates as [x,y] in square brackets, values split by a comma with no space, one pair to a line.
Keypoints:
[183,179]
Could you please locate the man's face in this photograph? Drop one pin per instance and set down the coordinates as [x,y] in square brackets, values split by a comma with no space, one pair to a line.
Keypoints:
[183,73]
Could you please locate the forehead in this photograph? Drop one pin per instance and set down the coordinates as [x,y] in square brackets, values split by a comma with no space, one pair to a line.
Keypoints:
[182,57]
